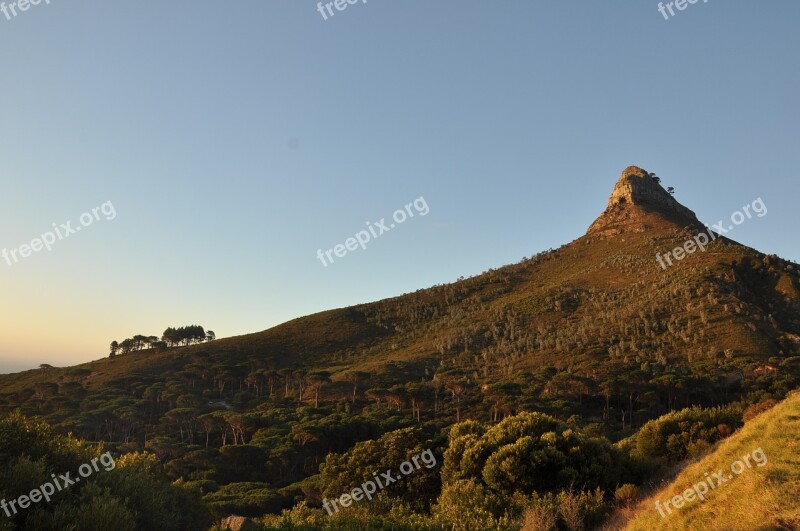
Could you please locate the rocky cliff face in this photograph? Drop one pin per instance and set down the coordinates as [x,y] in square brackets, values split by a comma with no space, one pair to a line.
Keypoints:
[635,197]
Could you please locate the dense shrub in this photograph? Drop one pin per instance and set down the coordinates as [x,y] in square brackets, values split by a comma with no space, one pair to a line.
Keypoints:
[685,433]
[340,473]
[131,494]
[532,452]
[626,494]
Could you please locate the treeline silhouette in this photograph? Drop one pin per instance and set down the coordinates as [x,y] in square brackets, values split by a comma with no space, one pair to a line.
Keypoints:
[172,337]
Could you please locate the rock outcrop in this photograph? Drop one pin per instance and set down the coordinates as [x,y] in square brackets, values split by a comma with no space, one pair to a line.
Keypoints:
[636,195]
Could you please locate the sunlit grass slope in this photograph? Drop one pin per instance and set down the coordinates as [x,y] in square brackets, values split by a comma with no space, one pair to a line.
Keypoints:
[760,498]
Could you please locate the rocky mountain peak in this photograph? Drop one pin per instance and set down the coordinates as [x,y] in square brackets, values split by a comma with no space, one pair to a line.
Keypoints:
[637,194]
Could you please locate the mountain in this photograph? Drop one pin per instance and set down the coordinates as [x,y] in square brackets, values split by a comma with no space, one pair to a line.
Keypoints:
[601,301]
[603,295]
[600,330]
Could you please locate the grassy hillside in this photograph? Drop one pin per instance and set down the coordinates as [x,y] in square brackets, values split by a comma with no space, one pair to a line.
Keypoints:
[759,498]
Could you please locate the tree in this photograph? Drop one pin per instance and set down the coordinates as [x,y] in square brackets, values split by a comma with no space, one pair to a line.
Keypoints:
[316,381]
[500,395]
[357,379]
[300,376]
[254,380]
[671,190]
[457,386]
[114,348]
[271,376]
[419,394]
[396,395]
[210,422]
[238,426]
[286,374]
[184,335]
[139,341]
[170,337]
[210,335]
[127,346]
[377,394]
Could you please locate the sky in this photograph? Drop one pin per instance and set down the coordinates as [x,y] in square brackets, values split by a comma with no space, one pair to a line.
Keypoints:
[221,145]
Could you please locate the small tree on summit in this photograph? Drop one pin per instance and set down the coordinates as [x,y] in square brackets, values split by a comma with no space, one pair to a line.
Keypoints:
[671,190]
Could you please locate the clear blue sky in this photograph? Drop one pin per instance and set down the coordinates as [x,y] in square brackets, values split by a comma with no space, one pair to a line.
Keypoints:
[234,139]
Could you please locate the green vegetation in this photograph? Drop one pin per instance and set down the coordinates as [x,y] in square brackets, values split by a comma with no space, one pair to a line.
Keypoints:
[686,433]
[132,495]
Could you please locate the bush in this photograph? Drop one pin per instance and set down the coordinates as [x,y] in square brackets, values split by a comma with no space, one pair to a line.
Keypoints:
[680,434]
[755,409]
[626,494]
[567,509]
[539,518]
[340,473]
[467,504]
[533,452]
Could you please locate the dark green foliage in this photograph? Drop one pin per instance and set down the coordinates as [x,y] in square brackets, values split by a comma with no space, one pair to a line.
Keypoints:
[126,495]
[340,473]
[684,433]
[532,452]
[245,499]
